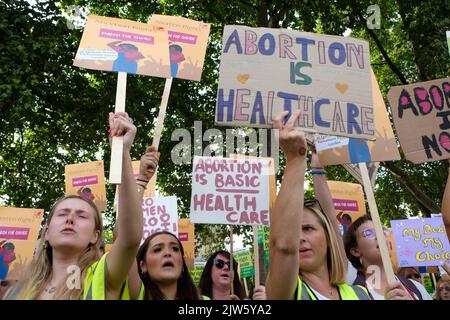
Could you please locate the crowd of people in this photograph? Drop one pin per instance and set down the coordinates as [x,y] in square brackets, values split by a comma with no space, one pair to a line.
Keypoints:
[309,259]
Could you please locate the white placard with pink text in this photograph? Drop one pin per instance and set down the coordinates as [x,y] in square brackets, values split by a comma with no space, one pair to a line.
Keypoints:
[160,214]
[230,191]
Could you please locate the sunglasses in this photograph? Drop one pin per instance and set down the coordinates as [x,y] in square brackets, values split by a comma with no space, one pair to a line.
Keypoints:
[219,263]
[370,233]
[309,203]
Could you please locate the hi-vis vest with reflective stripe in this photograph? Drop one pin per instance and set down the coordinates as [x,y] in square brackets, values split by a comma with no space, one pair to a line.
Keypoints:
[347,292]
[94,287]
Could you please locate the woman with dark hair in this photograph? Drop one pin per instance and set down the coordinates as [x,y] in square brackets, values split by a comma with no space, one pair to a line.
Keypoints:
[361,247]
[161,272]
[215,278]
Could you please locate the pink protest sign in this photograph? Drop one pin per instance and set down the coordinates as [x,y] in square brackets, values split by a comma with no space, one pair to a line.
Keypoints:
[345,205]
[230,191]
[160,214]
[119,35]
[84,181]
[14,233]
[121,45]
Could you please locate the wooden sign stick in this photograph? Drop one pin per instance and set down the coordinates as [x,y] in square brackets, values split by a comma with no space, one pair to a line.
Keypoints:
[390,276]
[115,168]
[159,126]
[246,286]
[162,113]
[256,254]
[231,261]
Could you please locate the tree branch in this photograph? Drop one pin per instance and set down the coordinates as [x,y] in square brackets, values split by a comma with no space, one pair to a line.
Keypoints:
[383,52]
[422,199]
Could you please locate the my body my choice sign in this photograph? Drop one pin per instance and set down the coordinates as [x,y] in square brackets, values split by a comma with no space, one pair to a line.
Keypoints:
[420,242]
[265,71]
[230,191]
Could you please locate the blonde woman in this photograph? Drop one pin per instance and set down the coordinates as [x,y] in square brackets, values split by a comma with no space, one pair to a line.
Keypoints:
[305,255]
[67,262]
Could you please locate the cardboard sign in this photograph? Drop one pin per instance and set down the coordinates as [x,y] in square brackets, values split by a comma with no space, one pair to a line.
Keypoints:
[348,200]
[420,242]
[19,230]
[338,150]
[245,260]
[187,238]
[266,71]
[160,214]
[230,191]
[188,40]
[88,181]
[272,177]
[422,119]
[121,45]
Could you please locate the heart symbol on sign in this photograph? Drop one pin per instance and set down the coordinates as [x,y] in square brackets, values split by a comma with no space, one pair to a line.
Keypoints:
[243,78]
[342,87]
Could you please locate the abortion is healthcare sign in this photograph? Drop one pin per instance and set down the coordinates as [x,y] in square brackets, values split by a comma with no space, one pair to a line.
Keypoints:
[266,71]
[420,242]
[230,191]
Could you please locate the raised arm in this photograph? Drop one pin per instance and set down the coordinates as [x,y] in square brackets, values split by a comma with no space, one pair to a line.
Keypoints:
[147,168]
[129,221]
[323,194]
[285,217]
[446,206]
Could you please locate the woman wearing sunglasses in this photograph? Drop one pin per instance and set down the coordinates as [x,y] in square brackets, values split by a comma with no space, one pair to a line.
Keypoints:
[215,278]
[362,250]
[306,257]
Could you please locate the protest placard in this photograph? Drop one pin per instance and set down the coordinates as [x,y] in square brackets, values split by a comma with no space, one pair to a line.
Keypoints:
[88,181]
[265,71]
[230,191]
[188,40]
[420,242]
[422,119]
[187,239]
[348,200]
[197,271]
[272,177]
[245,261]
[334,150]
[19,230]
[160,214]
[120,45]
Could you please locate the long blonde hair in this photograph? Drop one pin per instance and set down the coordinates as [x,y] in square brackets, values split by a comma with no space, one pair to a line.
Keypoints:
[336,267]
[36,275]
